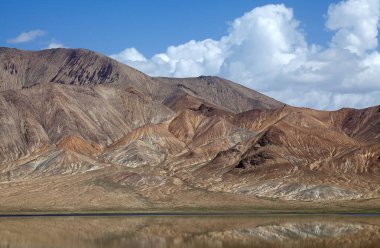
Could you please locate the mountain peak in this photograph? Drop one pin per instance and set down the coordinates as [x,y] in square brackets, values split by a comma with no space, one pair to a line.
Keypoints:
[61,65]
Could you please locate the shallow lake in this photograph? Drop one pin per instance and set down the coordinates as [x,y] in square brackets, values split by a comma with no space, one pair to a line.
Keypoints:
[192,231]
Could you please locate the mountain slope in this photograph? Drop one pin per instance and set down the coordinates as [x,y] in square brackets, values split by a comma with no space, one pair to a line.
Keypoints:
[20,69]
[82,131]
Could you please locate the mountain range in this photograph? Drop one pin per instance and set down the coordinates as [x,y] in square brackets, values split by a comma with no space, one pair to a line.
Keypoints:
[81,131]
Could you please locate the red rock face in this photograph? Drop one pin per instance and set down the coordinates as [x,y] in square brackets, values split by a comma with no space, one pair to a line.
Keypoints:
[81,116]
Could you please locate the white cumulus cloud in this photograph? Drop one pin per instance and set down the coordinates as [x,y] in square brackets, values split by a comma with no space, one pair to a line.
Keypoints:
[55,45]
[266,50]
[27,36]
[356,23]
[189,59]
[260,44]
[129,55]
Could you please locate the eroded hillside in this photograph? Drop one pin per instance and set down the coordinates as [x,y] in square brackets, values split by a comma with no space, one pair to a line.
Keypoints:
[82,131]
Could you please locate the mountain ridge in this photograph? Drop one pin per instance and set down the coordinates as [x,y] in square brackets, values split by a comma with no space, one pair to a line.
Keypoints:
[78,129]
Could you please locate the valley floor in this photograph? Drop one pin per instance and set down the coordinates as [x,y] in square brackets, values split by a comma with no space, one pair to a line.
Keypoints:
[88,193]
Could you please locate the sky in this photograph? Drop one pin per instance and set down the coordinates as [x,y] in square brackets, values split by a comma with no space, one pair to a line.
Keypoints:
[321,54]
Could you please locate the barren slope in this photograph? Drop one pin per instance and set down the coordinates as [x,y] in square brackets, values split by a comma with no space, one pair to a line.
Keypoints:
[79,130]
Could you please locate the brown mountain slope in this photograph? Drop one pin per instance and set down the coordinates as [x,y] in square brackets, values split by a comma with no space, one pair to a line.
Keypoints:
[79,130]
[46,113]
[220,92]
[20,69]
[362,124]
[299,154]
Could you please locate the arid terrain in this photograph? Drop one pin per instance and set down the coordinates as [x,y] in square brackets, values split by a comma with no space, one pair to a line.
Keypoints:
[82,132]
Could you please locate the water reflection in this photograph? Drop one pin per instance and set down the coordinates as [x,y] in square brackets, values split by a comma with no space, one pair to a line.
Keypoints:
[210,231]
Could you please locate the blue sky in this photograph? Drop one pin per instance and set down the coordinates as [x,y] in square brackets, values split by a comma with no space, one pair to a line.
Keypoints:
[320,54]
[150,25]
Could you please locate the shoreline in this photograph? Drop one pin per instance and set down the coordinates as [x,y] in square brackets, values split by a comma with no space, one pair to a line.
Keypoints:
[182,214]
